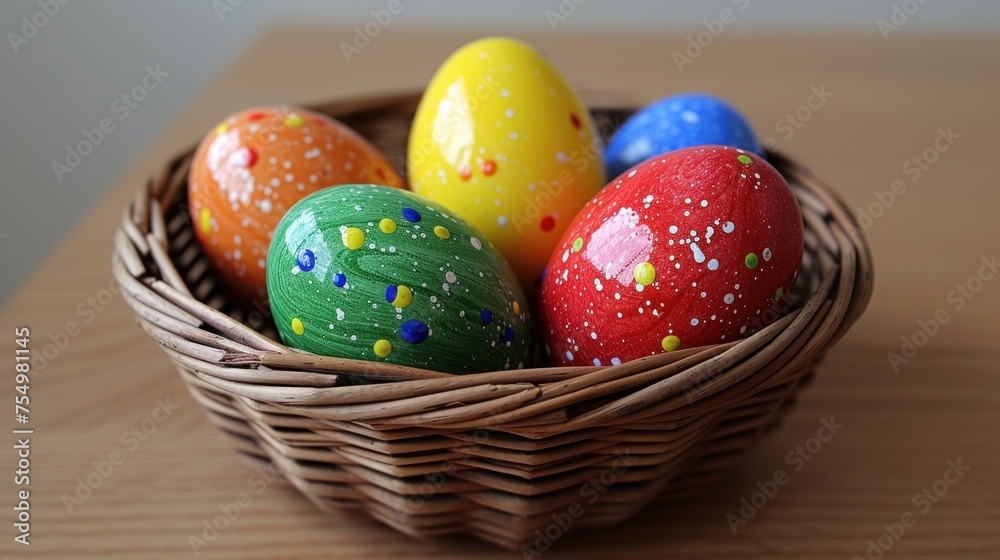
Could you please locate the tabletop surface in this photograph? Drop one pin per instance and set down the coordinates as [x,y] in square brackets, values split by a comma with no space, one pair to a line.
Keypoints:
[913,473]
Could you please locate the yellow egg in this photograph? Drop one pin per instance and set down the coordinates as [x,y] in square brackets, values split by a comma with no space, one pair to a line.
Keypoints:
[502,140]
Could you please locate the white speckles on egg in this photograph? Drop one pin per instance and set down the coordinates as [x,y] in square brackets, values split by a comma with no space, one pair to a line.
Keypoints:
[728,227]
[699,256]
[713,264]
[729,299]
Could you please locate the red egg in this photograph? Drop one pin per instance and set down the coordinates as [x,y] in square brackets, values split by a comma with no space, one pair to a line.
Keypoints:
[250,169]
[687,249]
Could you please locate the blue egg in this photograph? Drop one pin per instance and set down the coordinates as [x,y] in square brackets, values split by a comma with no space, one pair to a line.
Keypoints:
[679,121]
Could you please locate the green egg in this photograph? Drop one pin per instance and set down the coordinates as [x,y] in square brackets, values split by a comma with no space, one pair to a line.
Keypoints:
[381,274]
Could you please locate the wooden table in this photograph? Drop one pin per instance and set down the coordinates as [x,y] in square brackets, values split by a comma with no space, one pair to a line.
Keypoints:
[889,101]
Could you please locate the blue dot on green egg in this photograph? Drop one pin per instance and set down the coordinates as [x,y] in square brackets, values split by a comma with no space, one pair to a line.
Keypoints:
[411,215]
[414,331]
[339,280]
[486,316]
[390,293]
[306,260]
[508,335]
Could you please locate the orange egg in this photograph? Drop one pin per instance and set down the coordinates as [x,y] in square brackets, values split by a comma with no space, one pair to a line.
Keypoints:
[252,167]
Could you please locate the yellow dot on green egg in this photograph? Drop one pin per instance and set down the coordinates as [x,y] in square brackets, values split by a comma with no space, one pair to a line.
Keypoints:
[745,159]
[442,232]
[387,225]
[670,343]
[404,297]
[222,128]
[383,348]
[353,238]
[517,307]
[644,273]
[298,327]
[205,221]
[577,244]
[294,120]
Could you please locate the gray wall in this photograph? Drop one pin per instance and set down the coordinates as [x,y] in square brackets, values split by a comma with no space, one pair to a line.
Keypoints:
[66,77]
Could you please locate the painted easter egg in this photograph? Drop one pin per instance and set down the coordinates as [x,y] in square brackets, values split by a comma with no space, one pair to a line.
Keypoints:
[684,250]
[372,273]
[251,168]
[679,121]
[501,139]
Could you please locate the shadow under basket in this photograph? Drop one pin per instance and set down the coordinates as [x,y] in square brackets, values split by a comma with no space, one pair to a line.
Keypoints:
[490,455]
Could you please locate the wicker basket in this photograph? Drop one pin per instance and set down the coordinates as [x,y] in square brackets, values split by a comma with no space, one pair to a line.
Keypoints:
[493,455]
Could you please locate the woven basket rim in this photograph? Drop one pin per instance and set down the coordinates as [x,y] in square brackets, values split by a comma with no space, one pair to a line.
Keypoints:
[240,361]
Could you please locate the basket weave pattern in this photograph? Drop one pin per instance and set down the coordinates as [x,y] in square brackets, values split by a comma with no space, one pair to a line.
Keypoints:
[491,455]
